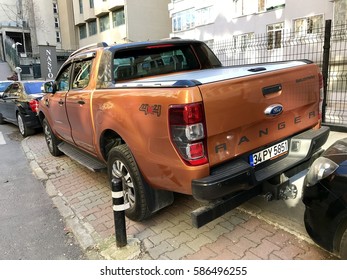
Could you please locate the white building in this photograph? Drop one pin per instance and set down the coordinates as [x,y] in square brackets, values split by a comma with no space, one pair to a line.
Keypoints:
[220,19]
[31,23]
[121,20]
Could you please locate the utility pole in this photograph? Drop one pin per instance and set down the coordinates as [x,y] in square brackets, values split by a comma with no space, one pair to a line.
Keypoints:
[21,18]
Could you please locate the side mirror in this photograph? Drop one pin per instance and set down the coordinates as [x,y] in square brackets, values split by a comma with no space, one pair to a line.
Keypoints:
[49,87]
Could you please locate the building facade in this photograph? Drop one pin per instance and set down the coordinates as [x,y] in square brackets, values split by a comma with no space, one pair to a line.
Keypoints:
[116,21]
[27,26]
[215,20]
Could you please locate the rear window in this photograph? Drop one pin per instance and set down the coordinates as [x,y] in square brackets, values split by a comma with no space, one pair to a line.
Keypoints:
[4,85]
[153,60]
[32,88]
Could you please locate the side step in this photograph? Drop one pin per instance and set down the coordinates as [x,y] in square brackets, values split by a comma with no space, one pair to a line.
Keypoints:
[81,157]
[213,210]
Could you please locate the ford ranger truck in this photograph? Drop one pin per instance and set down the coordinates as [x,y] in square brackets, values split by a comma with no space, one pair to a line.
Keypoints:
[166,117]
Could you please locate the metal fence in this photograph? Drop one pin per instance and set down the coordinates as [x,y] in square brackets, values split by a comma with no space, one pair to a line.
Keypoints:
[11,54]
[327,47]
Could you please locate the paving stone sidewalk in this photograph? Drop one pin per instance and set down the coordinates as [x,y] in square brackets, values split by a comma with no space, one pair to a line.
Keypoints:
[84,199]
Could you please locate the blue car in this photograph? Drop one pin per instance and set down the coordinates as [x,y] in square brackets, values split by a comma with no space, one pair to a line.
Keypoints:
[19,105]
[325,199]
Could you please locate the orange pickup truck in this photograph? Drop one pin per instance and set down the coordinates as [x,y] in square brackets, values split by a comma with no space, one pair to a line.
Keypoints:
[165,116]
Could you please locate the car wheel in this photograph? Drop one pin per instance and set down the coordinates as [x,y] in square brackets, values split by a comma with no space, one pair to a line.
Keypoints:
[51,140]
[1,119]
[23,129]
[343,246]
[121,165]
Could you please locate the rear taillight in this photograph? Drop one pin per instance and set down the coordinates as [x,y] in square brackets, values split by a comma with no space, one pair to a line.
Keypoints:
[34,105]
[187,130]
[321,92]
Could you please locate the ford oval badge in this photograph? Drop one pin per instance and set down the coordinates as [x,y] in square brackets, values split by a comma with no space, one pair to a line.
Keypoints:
[274,110]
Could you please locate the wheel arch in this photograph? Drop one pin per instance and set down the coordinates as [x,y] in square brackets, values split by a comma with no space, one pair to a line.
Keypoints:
[159,198]
[340,230]
[41,116]
[108,139]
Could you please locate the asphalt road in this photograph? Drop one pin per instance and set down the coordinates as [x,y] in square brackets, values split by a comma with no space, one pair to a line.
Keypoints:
[30,227]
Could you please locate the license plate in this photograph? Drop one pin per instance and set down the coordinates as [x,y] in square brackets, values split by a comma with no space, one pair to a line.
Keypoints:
[269,153]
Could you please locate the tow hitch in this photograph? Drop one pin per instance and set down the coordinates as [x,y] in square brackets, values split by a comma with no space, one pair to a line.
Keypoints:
[281,189]
[288,192]
[287,188]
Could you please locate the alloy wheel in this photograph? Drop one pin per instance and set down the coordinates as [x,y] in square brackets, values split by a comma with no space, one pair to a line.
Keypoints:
[21,125]
[120,171]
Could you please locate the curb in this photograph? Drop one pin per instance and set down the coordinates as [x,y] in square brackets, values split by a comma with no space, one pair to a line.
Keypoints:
[84,233]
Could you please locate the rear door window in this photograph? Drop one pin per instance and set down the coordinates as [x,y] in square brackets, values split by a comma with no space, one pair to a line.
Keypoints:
[153,60]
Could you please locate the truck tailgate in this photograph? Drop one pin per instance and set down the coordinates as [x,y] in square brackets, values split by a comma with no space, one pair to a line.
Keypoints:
[257,109]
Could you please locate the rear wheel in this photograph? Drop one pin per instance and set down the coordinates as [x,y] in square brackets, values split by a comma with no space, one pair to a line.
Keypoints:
[343,246]
[1,119]
[51,140]
[121,165]
[23,129]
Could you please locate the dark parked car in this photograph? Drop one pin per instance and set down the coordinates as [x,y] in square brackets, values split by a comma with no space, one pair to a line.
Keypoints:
[325,199]
[19,105]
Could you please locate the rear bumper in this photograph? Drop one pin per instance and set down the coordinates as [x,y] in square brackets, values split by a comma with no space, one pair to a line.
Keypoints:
[238,175]
[31,120]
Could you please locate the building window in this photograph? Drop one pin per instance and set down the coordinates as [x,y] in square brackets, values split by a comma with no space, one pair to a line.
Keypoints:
[83,31]
[92,27]
[55,8]
[56,22]
[183,20]
[104,23]
[81,6]
[57,36]
[248,7]
[308,25]
[241,41]
[91,4]
[261,6]
[118,17]
[340,12]
[204,16]
[274,36]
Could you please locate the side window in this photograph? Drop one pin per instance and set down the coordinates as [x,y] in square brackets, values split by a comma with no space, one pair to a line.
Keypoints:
[14,90]
[81,74]
[62,80]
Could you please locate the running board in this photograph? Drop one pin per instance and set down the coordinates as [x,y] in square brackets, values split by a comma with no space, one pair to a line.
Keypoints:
[213,210]
[82,158]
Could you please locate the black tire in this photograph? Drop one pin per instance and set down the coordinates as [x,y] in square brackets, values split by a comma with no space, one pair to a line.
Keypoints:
[121,164]
[343,246]
[23,128]
[2,119]
[51,140]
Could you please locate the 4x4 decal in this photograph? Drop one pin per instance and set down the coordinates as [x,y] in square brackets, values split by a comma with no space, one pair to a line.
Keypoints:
[151,109]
